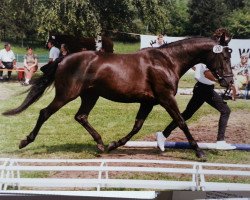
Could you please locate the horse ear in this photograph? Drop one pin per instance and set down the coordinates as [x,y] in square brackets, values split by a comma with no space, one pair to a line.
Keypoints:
[224,39]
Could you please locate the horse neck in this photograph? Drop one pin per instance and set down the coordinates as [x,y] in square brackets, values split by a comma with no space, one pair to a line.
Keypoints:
[190,52]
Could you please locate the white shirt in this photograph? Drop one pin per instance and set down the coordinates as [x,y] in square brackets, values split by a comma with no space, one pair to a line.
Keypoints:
[54,53]
[200,76]
[7,56]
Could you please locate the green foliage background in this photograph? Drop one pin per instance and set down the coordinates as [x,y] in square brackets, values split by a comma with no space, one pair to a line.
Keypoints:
[32,20]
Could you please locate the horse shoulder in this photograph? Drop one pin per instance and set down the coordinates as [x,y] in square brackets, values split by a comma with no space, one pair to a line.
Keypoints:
[162,74]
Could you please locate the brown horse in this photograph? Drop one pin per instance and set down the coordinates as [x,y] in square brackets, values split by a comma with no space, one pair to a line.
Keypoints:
[148,77]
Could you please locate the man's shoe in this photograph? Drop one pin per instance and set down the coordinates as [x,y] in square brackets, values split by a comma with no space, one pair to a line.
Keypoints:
[160,140]
[222,145]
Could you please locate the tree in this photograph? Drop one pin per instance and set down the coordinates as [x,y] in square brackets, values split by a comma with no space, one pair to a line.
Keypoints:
[206,16]
[235,4]
[178,18]
[6,22]
[239,21]
[154,14]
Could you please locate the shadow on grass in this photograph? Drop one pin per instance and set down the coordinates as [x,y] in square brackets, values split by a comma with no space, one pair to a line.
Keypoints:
[70,147]
[60,149]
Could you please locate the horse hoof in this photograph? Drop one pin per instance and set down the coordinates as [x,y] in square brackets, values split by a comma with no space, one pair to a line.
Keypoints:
[200,154]
[101,147]
[23,144]
[112,146]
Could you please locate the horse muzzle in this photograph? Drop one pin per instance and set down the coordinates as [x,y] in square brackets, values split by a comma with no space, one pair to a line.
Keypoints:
[226,80]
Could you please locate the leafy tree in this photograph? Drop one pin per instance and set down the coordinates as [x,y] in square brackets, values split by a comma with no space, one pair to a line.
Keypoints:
[154,14]
[6,22]
[206,16]
[70,17]
[178,17]
[234,4]
[29,19]
[239,21]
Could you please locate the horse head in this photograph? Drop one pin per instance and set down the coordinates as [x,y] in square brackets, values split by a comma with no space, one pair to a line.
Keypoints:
[220,60]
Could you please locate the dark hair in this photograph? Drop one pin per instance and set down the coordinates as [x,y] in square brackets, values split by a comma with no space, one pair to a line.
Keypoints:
[65,47]
[29,48]
[6,44]
[52,42]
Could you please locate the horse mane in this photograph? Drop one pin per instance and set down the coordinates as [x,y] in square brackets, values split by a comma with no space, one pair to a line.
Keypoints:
[186,40]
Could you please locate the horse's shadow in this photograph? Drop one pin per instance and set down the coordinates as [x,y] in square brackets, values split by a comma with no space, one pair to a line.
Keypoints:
[123,152]
[71,147]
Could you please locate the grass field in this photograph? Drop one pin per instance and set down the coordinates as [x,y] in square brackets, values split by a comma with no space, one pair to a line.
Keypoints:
[62,137]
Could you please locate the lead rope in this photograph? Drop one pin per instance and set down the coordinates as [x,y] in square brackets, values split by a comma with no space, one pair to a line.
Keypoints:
[227,91]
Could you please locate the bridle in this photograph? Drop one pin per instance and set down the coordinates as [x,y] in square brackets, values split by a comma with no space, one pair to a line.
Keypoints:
[218,49]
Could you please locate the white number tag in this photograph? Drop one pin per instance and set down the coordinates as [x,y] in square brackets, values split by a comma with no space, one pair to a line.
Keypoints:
[217,49]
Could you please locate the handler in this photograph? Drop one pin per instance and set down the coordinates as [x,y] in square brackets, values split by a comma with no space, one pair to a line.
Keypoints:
[203,92]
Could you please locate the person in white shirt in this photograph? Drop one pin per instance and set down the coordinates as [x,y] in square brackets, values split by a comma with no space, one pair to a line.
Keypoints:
[53,51]
[203,92]
[7,60]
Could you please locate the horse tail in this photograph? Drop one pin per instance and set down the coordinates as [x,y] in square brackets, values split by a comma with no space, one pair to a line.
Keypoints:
[37,89]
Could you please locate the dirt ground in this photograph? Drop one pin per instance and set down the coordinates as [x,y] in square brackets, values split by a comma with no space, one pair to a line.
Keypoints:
[205,130]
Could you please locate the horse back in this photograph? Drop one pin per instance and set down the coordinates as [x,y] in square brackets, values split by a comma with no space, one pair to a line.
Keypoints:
[117,77]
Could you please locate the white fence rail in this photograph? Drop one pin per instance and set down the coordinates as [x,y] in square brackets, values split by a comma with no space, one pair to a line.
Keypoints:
[102,174]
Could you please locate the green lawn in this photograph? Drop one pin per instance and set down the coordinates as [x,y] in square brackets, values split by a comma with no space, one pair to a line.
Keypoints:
[62,137]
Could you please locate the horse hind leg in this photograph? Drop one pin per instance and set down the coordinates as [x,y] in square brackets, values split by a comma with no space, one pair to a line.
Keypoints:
[88,102]
[142,114]
[44,115]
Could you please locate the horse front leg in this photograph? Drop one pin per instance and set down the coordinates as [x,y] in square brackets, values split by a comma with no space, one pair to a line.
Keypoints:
[171,107]
[44,115]
[142,114]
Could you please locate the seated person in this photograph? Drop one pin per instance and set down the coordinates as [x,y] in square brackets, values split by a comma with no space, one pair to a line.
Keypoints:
[30,65]
[241,73]
[7,60]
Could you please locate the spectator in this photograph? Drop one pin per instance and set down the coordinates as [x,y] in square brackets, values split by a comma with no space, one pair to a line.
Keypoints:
[241,73]
[7,60]
[203,92]
[158,42]
[30,65]
[53,51]
[53,55]
[64,51]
